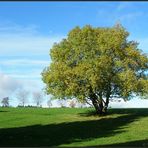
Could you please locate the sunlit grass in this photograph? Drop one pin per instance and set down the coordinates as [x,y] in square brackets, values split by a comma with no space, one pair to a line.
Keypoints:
[73,127]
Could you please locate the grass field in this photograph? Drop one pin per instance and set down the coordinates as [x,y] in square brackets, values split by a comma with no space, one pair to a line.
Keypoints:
[73,127]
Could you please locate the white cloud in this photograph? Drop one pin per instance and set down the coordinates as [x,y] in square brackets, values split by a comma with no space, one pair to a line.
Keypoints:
[124,6]
[134,103]
[26,45]
[23,62]
[24,50]
[24,68]
[20,40]
[129,17]
[27,76]
[11,27]
[8,85]
[19,46]
[126,12]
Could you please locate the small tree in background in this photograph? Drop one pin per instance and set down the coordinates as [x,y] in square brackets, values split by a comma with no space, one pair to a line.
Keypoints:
[49,103]
[22,96]
[38,98]
[5,102]
[72,103]
[61,102]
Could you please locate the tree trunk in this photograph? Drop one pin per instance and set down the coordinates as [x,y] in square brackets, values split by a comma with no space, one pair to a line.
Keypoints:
[106,106]
[96,105]
[107,98]
[23,104]
[101,109]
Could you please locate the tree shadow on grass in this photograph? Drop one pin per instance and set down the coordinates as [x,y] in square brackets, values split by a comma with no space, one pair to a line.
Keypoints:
[2,111]
[131,111]
[65,133]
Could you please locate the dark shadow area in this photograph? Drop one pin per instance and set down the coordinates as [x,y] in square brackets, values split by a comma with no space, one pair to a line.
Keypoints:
[133,111]
[137,143]
[64,133]
[138,111]
[89,113]
[3,111]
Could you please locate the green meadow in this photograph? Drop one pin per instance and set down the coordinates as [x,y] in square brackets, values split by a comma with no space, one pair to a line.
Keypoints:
[73,127]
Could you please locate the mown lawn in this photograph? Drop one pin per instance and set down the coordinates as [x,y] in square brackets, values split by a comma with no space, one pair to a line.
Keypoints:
[73,127]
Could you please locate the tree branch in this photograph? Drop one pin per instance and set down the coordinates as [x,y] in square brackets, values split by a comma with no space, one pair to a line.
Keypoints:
[88,103]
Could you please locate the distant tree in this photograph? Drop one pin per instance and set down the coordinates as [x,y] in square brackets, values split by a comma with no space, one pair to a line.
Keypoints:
[5,102]
[49,103]
[97,64]
[61,102]
[22,97]
[38,98]
[72,103]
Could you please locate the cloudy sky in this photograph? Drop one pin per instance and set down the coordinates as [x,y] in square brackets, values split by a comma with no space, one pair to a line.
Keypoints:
[29,29]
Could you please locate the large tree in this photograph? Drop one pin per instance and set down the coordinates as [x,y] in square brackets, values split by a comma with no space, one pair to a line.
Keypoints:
[95,64]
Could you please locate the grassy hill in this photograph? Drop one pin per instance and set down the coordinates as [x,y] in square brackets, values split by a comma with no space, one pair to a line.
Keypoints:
[73,127]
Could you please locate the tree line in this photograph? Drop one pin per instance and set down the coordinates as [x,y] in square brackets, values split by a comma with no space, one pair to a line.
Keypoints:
[22,97]
[37,97]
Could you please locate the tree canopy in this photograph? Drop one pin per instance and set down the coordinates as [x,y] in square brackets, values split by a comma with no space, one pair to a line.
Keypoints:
[96,64]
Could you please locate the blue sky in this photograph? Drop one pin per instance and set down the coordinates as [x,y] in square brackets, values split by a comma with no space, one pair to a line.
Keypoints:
[29,29]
